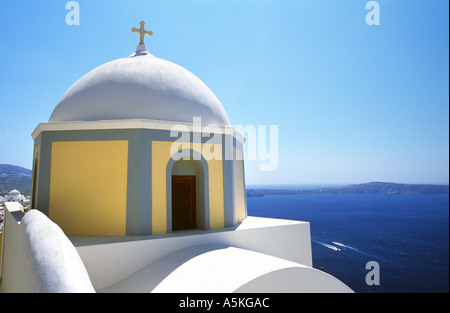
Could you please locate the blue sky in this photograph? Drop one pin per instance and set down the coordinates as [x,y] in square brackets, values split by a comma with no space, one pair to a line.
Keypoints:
[353,103]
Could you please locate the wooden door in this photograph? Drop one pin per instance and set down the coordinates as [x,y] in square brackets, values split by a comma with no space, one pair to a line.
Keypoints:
[183,202]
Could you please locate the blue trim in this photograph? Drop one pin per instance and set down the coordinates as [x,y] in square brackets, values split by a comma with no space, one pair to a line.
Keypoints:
[228,182]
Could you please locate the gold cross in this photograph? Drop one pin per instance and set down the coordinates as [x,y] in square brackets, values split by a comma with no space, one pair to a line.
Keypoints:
[142,32]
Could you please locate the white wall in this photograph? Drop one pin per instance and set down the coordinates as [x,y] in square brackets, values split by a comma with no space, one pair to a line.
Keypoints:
[222,269]
[263,255]
[38,257]
[295,280]
[110,262]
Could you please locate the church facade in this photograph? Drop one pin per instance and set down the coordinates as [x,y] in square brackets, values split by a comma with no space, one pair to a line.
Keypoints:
[113,181]
[139,146]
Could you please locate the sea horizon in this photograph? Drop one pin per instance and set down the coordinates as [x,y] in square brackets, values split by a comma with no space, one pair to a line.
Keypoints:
[331,185]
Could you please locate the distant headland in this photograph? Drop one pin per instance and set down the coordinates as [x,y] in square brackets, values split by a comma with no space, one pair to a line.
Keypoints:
[14,177]
[368,188]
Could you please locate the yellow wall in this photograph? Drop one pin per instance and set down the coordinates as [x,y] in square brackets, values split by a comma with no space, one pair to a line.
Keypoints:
[160,158]
[88,187]
[216,203]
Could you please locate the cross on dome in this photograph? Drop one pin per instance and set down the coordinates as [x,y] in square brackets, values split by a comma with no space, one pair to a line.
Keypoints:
[142,32]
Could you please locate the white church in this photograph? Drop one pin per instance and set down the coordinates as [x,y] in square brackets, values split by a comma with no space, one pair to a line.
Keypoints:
[128,195]
[15,196]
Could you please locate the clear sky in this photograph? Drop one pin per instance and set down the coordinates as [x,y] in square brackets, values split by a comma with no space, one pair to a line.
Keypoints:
[353,103]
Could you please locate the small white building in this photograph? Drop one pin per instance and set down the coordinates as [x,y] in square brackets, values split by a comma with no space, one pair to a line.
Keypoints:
[13,196]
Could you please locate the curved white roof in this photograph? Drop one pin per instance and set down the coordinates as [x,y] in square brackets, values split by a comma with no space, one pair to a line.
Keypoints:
[225,269]
[141,86]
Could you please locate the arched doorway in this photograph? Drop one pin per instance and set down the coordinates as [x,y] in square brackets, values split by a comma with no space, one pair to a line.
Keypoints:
[188,194]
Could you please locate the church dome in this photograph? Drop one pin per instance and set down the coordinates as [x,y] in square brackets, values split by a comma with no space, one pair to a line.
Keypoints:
[140,86]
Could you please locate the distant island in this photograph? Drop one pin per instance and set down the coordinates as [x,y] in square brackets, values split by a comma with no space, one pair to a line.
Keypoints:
[368,188]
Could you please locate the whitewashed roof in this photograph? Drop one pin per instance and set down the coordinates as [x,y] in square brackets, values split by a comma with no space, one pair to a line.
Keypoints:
[140,86]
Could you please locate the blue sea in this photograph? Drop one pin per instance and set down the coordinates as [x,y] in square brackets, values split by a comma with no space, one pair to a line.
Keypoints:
[408,235]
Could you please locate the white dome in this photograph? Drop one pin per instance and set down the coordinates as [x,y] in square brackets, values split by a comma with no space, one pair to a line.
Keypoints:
[140,87]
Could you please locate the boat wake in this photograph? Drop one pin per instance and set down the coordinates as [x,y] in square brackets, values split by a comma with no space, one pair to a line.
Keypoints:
[345,246]
[338,246]
[349,247]
[327,245]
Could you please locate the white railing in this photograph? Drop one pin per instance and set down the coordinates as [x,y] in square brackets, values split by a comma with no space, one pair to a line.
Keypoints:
[38,257]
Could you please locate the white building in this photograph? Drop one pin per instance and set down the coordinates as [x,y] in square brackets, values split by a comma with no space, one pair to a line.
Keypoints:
[14,196]
[109,118]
